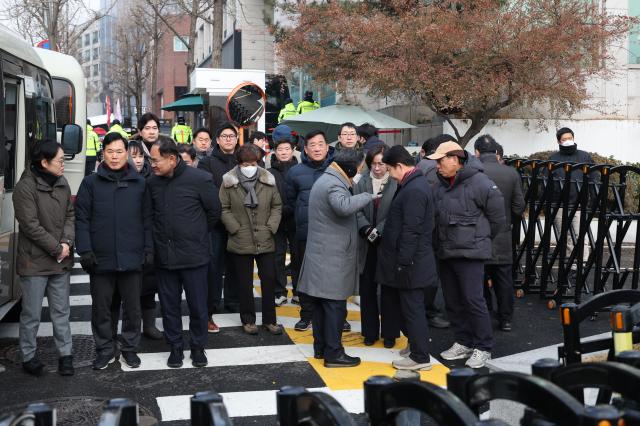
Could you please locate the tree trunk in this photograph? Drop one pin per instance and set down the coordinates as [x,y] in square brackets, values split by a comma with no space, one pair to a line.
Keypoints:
[216,45]
[154,64]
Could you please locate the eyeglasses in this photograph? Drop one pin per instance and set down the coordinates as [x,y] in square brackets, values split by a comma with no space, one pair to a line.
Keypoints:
[60,161]
[348,135]
[228,137]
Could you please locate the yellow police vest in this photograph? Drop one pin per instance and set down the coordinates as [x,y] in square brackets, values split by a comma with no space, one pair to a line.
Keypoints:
[118,129]
[93,143]
[181,133]
[306,106]
[288,110]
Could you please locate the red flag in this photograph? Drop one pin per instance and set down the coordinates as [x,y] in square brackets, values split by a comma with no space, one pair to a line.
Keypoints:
[108,101]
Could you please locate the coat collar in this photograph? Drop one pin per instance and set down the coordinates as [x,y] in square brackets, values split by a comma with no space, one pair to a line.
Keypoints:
[230,179]
[41,185]
[337,171]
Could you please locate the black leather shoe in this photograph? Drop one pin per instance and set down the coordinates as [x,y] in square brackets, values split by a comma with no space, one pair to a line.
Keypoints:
[318,356]
[438,322]
[65,365]
[198,357]
[343,360]
[175,358]
[369,341]
[33,367]
[130,358]
[389,343]
[505,325]
[346,327]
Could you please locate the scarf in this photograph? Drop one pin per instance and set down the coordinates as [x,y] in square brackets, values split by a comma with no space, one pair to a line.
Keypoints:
[378,184]
[44,175]
[249,185]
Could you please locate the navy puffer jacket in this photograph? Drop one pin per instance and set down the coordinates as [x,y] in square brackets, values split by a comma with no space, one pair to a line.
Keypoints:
[298,183]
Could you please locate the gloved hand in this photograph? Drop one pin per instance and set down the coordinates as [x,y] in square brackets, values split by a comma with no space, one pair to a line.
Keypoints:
[403,276]
[365,231]
[148,261]
[88,261]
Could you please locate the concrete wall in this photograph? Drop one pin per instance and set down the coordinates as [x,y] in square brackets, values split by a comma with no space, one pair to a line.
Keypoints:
[617,138]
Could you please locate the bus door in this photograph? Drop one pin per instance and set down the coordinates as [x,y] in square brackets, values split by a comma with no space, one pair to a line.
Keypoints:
[8,142]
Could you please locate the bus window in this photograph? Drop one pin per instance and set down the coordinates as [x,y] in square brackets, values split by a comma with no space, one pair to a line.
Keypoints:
[10,131]
[63,95]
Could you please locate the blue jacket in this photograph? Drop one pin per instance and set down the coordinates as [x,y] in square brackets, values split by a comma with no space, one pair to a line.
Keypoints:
[298,183]
[185,208]
[113,219]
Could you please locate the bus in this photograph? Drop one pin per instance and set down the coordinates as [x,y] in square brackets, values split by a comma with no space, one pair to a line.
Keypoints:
[27,114]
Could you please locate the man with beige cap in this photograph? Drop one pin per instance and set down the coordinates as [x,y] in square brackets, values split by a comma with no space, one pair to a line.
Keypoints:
[469,213]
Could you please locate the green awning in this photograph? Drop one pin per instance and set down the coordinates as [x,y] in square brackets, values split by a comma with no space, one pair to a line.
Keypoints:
[187,103]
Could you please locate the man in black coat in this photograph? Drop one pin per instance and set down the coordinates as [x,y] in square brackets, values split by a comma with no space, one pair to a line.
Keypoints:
[499,270]
[406,263]
[113,238]
[185,208]
[469,213]
[221,160]
[281,161]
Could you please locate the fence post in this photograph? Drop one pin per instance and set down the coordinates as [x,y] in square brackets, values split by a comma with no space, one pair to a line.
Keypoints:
[603,228]
[207,409]
[631,358]
[571,332]
[120,412]
[544,367]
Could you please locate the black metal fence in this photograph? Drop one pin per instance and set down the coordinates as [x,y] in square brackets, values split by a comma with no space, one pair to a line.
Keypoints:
[559,260]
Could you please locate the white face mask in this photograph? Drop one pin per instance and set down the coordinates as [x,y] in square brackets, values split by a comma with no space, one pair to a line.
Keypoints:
[568,142]
[249,171]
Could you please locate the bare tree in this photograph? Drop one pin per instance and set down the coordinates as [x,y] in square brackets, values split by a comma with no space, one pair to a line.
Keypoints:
[62,22]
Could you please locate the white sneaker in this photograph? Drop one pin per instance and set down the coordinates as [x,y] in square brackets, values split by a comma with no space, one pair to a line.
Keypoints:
[281,300]
[405,352]
[295,300]
[478,359]
[457,351]
[409,364]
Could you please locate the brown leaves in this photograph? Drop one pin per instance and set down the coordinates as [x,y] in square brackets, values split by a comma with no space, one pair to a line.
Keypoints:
[474,58]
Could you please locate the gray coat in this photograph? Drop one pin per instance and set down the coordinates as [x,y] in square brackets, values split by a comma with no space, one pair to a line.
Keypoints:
[365,216]
[509,184]
[329,269]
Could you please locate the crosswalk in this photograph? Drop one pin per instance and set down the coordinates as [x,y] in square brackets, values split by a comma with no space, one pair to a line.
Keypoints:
[246,370]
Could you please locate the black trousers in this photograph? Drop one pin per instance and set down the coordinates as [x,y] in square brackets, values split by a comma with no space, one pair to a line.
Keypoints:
[306,302]
[328,319]
[103,287]
[372,316]
[413,322]
[285,237]
[170,285]
[89,165]
[148,292]
[221,274]
[243,265]
[502,282]
[430,303]
[463,289]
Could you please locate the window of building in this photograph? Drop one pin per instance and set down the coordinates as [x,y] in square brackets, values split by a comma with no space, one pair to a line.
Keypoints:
[95,37]
[87,39]
[634,34]
[96,70]
[87,71]
[178,45]
[86,55]
[96,54]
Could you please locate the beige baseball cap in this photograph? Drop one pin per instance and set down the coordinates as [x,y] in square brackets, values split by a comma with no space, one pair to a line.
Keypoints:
[447,148]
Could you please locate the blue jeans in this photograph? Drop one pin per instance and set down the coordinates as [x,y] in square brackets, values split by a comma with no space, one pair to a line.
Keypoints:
[33,291]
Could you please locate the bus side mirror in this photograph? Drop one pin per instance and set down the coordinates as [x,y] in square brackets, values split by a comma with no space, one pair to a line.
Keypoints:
[71,139]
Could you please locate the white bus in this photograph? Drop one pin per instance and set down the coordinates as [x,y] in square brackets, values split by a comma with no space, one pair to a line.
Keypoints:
[27,114]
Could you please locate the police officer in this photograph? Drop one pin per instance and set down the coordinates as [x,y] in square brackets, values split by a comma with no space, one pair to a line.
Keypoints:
[117,127]
[469,213]
[499,270]
[93,147]
[307,104]
[181,132]
[288,110]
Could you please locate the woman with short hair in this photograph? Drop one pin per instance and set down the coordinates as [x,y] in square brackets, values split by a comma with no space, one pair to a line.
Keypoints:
[251,211]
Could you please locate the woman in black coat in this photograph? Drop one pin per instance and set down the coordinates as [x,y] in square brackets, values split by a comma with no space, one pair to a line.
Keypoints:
[406,262]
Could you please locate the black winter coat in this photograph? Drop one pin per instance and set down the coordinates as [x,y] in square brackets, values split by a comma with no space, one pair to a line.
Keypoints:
[185,208]
[218,163]
[298,183]
[469,213]
[569,154]
[113,219]
[406,240]
[279,171]
[510,186]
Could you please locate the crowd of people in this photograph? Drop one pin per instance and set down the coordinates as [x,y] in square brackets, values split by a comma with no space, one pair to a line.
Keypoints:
[358,218]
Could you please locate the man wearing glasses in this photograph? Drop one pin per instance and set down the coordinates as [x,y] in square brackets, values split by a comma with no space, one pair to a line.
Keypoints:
[347,137]
[221,160]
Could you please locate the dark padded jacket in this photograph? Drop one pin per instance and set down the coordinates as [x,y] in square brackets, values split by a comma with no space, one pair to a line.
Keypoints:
[186,207]
[469,213]
[218,163]
[508,181]
[406,240]
[279,171]
[113,220]
[298,183]
[569,154]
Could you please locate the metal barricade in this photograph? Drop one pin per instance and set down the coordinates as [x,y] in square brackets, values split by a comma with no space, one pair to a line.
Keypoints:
[207,409]
[36,414]
[297,406]
[119,412]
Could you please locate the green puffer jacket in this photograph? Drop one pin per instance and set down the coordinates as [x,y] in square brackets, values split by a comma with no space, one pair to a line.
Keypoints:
[251,231]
